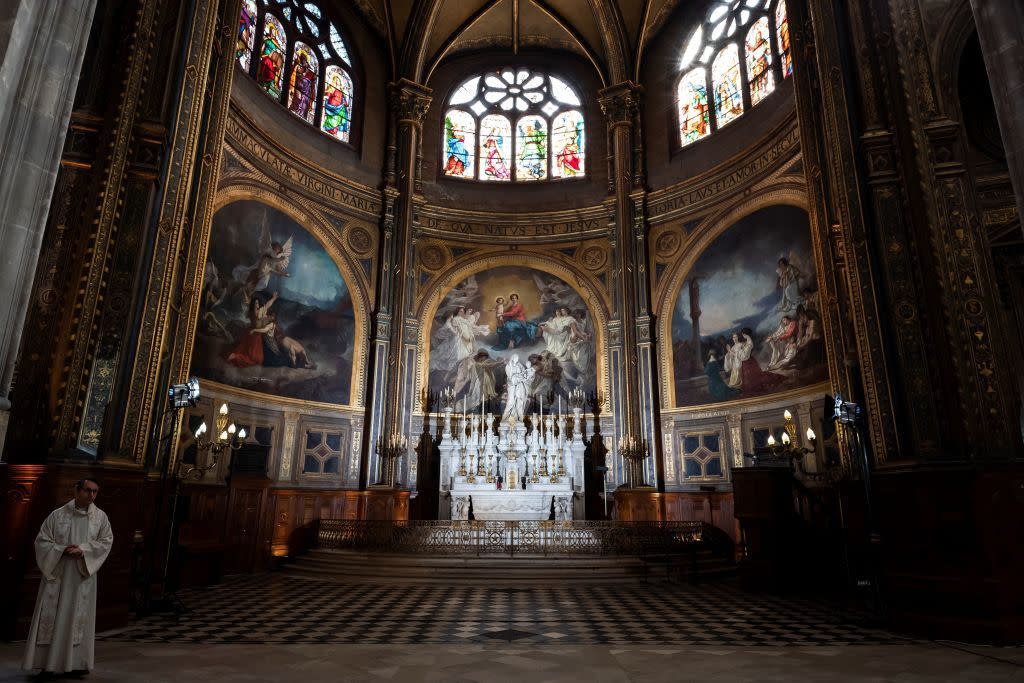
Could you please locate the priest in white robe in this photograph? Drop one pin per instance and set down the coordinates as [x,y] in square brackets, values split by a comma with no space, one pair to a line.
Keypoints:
[71,546]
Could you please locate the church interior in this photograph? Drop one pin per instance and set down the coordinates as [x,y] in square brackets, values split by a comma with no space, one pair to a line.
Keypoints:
[484,339]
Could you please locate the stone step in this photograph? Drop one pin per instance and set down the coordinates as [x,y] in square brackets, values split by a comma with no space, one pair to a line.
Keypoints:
[349,566]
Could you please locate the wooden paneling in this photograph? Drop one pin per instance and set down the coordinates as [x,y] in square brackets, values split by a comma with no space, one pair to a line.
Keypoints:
[713,507]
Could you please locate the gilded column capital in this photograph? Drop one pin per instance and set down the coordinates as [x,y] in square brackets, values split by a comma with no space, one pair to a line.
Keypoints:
[409,101]
[620,103]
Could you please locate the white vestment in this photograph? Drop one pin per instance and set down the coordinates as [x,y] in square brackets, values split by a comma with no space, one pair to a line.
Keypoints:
[63,629]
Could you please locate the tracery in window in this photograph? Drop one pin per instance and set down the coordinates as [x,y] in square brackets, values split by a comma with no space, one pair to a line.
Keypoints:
[737,54]
[301,60]
[548,139]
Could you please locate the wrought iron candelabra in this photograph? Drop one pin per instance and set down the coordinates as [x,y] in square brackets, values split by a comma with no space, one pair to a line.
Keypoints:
[229,439]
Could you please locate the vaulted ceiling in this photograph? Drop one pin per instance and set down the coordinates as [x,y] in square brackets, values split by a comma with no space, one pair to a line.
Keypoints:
[610,34]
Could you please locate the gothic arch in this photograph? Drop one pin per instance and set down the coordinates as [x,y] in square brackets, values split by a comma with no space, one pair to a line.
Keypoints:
[434,294]
[331,239]
[704,234]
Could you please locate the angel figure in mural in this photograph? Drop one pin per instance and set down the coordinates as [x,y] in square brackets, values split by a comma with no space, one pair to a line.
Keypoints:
[496,167]
[303,86]
[271,61]
[581,348]
[518,378]
[457,339]
[556,333]
[475,377]
[463,294]
[273,260]
[789,281]
[554,294]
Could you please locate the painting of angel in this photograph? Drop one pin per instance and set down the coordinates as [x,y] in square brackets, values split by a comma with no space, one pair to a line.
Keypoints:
[282,323]
[745,321]
[490,316]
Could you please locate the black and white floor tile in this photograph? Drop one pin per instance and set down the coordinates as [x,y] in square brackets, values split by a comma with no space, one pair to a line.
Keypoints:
[277,608]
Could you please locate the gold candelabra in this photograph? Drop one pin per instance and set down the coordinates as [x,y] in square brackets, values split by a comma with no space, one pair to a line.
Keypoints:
[786,448]
[229,439]
[634,451]
[390,450]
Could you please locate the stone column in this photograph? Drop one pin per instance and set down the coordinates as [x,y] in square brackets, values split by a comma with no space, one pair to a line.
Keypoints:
[999,24]
[634,398]
[42,44]
[394,342]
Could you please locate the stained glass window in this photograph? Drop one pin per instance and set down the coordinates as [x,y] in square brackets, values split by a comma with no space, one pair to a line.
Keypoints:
[317,54]
[495,147]
[725,79]
[270,72]
[759,61]
[246,34]
[567,145]
[531,148]
[548,139]
[302,85]
[782,26]
[336,118]
[459,142]
[694,118]
[731,48]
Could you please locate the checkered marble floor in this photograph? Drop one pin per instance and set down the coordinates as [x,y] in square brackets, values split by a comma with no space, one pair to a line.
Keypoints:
[276,608]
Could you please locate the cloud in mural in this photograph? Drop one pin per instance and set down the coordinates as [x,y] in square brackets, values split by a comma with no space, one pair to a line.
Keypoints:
[276,314]
[759,326]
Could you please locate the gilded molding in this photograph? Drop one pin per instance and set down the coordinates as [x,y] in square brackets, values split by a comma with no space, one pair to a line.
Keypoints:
[484,226]
[254,146]
[730,177]
[90,296]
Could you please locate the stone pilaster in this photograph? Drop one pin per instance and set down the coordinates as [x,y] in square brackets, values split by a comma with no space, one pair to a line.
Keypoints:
[172,282]
[999,31]
[42,44]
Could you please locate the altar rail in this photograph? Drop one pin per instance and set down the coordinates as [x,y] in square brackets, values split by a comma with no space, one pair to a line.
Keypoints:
[522,537]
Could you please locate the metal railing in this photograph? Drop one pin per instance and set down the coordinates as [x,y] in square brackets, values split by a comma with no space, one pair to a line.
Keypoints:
[511,538]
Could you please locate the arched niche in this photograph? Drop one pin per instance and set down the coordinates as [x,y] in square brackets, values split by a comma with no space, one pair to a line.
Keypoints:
[278,319]
[753,273]
[576,347]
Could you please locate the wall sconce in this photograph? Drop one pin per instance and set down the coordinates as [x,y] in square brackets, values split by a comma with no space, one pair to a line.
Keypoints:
[229,439]
[788,450]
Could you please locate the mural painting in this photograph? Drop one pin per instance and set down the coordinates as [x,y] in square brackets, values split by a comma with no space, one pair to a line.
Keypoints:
[512,311]
[276,315]
[746,320]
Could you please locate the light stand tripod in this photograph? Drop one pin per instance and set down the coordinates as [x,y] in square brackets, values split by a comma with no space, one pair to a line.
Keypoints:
[179,396]
[851,415]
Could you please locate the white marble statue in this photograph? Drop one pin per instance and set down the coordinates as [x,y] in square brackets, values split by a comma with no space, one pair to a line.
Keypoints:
[517,382]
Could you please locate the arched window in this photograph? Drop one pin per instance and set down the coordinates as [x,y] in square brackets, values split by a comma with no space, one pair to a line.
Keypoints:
[300,60]
[736,55]
[514,125]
